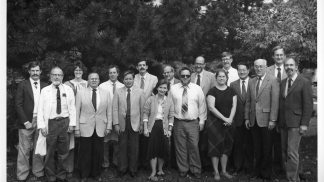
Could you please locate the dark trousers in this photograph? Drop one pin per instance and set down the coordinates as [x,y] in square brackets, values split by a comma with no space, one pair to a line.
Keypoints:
[56,140]
[277,157]
[173,158]
[128,138]
[205,160]
[243,154]
[91,154]
[143,144]
[262,140]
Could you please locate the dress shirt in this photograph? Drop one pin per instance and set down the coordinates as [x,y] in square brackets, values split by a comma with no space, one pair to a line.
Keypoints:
[129,92]
[172,81]
[201,76]
[281,71]
[160,112]
[232,75]
[260,81]
[196,102]
[293,78]
[246,84]
[64,107]
[36,93]
[141,78]
[108,85]
[97,98]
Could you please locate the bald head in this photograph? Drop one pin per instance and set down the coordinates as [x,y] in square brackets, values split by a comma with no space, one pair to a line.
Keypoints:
[199,64]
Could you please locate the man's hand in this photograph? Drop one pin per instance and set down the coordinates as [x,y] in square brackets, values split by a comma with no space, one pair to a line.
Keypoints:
[201,127]
[169,133]
[70,129]
[29,126]
[141,129]
[117,129]
[247,124]
[272,124]
[44,131]
[77,133]
[302,129]
[107,131]
[34,124]
[146,133]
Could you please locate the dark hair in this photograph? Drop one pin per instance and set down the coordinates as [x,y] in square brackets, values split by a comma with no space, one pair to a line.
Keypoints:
[277,48]
[244,64]
[141,61]
[159,83]
[34,64]
[184,68]
[113,66]
[129,72]
[225,54]
[288,58]
[94,73]
[219,71]
[79,64]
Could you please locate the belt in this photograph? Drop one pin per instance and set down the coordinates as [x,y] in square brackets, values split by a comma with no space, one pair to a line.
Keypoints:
[185,120]
[127,116]
[58,118]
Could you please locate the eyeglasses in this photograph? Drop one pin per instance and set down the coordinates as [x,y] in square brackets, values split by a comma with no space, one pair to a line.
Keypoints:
[94,79]
[259,67]
[185,76]
[56,75]
[199,64]
[167,73]
[78,71]
[226,59]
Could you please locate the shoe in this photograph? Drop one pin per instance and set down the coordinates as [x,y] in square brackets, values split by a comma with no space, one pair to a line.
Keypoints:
[197,175]
[83,180]
[237,171]
[266,179]
[183,174]
[121,174]
[247,171]
[153,178]
[104,169]
[227,175]
[37,179]
[133,174]
[97,178]
[302,176]
[21,180]
[160,174]
[217,177]
[254,176]
[62,180]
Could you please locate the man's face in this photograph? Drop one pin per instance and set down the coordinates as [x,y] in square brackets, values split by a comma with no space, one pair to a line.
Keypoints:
[35,73]
[129,80]
[243,72]
[185,77]
[227,61]
[259,67]
[199,64]
[279,56]
[56,76]
[168,73]
[93,80]
[113,74]
[142,67]
[290,67]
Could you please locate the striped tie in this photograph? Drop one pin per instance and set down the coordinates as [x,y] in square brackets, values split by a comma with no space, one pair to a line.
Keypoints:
[184,108]
[142,83]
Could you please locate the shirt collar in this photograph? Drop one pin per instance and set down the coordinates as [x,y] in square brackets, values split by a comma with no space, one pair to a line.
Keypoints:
[129,88]
[92,88]
[246,80]
[143,76]
[202,72]
[281,67]
[172,80]
[182,86]
[60,86]
[262,78]
[293,77]
[32,81]
[112,82]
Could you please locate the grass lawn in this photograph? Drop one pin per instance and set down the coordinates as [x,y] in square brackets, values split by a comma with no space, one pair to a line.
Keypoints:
[309,151]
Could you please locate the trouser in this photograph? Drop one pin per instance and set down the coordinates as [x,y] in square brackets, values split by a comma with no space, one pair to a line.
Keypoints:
[105,162]
[290,151]
[205,160]
[143,144]
[26,138]
[173,158]
[91,155]
[69,162]
[56,140]
[277,153]
[186,138]
[243,154]
[128,138]
[262,140]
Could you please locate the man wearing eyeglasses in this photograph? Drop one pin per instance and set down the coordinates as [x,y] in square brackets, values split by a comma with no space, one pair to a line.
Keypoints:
[261,113]
[227,59]
[168,73]
[190,115]
[56,117]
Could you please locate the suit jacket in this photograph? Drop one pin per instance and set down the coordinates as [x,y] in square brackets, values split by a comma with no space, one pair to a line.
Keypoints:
[149,85]
[87,119]
[264,106]
[240,107]
[296,108]
[271,71]
[151,110]
[208,81]
[120,108]
[24,102]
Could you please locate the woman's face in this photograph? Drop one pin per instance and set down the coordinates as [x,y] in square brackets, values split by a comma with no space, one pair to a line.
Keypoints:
[221,78]
[78,72]
[162,89]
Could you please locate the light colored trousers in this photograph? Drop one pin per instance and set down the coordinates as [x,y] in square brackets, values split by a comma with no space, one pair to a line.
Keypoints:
[27,140]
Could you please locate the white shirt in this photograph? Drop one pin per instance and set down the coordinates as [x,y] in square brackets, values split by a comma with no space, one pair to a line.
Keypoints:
[129,92]
[36,93]
[97,97]
[160,112]
[64,107]
[108,85]
[245,84]
[260,81]
[281,71]
[201,76]
[293,78]
[196,102]
[232,75]
[172,81]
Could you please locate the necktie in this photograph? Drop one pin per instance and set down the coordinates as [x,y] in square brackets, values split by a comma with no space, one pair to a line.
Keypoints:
[35,84]
[243,91]
[184,108]
[258,85]
[128,102]
[94,99]
[114,88]
[142,83]
[279,73]
[169,85]
[198,80]
[58,100]
[289,83]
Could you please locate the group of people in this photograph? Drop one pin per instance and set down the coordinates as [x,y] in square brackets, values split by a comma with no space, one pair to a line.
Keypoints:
[203,118]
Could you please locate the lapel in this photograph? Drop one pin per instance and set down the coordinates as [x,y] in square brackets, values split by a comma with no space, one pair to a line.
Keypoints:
[133,93]
[30,90]
[253,86]
[101,95]
[88,98]
[147,81]
[49,94]
[202,83]
[123,97]
[272,70]
[283,87]
[42,85]
[263,85]
[237,87]
[293,85]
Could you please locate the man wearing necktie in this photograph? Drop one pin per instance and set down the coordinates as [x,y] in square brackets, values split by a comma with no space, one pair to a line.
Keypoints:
[128,105]
[190,115]
[227,59]
[111,86]
[243,155]
[26,103]
[93,123]
[296,106]
[261,112]
[56,117]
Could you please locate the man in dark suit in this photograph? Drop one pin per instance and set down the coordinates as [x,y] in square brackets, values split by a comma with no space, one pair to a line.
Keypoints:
[296,106]
[261,112]
[243,154]
[128,105]
[26,103]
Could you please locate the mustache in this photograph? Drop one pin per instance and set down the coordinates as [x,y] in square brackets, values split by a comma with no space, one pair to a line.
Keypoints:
[142,69]
[289,69]
[35,75]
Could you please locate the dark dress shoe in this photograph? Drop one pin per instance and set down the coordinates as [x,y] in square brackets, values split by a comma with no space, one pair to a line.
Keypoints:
[21,180]
[183,174]
[247,171]
[254,176]
[197,175]
[62,180]
[133,174]
[237,171]
[83,180]
[121,174]
[104,169]
[302,176]
[97,179]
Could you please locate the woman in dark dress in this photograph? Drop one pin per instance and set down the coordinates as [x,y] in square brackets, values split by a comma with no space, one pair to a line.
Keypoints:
[158,113]
[221,101]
